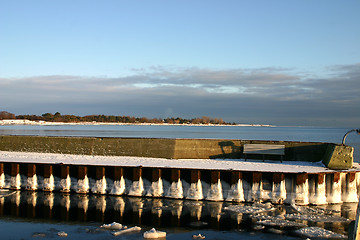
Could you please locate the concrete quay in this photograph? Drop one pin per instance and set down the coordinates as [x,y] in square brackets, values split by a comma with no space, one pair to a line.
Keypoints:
[195,169]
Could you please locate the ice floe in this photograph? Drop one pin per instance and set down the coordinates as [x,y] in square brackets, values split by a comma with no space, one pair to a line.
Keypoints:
[198,236]
[273,222]
[250,209]
[153,233]
[112,226]
[62,234]
[127,230]
[316,218]
[316,232]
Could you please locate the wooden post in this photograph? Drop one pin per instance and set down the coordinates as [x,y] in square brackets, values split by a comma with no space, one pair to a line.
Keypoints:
[137,172]
[118,173]
[155,174]
[15,182]
[48,171]
[65,182]
[175,175]
[48,178]
[82,172]
[195,176]
[83,181]
[31,177]
[215,177]
[100,173]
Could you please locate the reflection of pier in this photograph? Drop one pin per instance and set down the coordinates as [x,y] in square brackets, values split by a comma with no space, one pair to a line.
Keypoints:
[153,212]
[194,184]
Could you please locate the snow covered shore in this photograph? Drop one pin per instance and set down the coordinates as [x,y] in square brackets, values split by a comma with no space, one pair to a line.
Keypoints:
[44,123]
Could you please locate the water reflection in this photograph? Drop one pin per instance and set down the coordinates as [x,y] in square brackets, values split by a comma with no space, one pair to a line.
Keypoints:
[171,213]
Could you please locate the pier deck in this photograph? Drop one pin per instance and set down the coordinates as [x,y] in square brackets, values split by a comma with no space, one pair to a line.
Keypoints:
[148,162]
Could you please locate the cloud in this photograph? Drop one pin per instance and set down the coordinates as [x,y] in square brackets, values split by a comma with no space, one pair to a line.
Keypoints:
[267,95]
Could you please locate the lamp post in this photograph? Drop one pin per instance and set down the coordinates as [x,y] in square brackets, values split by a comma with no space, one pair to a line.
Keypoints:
[353,130]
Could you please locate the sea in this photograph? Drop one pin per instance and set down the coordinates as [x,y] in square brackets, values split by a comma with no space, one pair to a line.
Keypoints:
[38,215]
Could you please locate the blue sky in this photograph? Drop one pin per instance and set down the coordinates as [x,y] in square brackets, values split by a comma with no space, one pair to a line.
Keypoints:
[276,62]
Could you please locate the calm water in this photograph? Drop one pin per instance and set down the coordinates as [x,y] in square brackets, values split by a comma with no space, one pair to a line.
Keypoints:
[35,215]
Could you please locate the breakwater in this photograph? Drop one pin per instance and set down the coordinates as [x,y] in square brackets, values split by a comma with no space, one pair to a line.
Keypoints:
[178,169]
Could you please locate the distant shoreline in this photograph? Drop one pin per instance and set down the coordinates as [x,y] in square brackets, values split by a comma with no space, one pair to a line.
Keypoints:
[44,123]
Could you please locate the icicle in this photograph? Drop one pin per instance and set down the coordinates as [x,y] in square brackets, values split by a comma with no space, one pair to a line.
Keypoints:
[137,188]
[118,187]
[215,192]
[195,191]
[65,184]
[278,193]
[49,184]
[83,185]
[236,192]
[99,186]
[156,189]
[175,190]
[15,181]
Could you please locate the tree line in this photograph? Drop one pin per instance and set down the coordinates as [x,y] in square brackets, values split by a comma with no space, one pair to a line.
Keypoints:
[58,117]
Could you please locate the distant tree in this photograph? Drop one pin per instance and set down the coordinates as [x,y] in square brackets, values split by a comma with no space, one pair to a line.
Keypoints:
[6,115]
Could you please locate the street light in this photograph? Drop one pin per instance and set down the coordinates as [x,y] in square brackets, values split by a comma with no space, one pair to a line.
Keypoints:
[353,130]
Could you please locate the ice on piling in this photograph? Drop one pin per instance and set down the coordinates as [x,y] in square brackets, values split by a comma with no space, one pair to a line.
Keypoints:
[137,188]
[118,187]
[156,189]
[175,190]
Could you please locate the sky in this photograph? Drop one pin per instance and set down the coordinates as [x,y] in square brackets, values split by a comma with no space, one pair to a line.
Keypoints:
[281,62]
